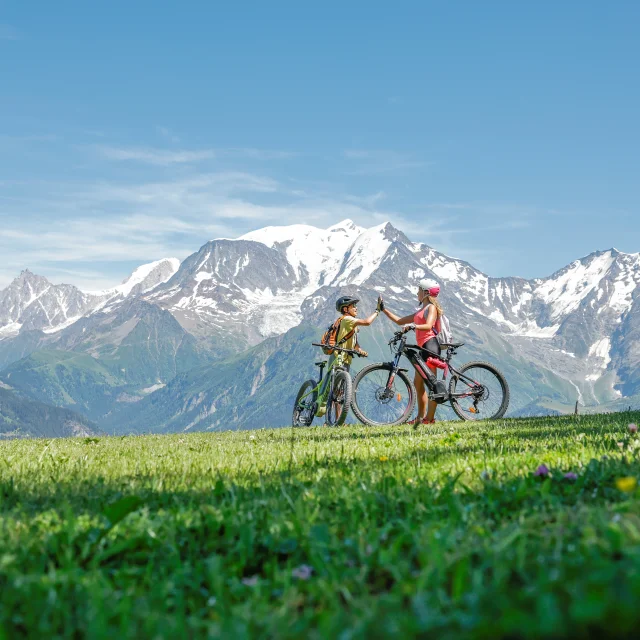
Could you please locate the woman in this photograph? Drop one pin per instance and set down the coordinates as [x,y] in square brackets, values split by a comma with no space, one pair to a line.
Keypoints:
[423,321]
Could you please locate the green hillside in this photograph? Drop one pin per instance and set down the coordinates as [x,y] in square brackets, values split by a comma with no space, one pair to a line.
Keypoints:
[258,387]
[25,418]
[325,533]
[66,379]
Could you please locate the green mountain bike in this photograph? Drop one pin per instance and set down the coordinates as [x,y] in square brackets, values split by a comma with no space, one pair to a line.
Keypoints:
[330,396]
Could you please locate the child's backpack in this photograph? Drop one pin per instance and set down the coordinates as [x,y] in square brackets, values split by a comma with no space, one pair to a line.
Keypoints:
[330,336]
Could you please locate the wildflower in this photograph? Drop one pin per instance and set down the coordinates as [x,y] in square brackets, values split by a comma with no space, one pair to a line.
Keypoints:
[485,475]
[542,471]
[633,428]
[626,484]
[411,481]
[211,602]
[250,582]
[383,458]
[303,572]
[570,476]
[620,445]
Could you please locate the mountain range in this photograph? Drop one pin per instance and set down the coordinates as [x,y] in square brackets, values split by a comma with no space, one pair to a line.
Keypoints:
[222,339]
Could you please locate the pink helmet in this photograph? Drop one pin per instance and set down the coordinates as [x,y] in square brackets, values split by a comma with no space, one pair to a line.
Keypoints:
[430,286]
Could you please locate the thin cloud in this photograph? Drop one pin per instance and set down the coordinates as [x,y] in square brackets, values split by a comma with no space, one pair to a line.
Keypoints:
[153,220]
[158,157]
[167,157]
[260,154]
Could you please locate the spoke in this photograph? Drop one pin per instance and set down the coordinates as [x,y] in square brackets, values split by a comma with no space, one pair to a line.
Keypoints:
[490,395]
[372,403]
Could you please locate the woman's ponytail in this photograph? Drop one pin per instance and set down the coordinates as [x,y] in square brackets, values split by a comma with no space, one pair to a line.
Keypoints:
[432,300]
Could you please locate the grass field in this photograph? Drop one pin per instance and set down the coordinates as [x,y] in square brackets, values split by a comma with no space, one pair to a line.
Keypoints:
[332,533]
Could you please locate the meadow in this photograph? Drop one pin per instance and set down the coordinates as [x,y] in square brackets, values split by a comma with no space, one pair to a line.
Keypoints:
[513,529]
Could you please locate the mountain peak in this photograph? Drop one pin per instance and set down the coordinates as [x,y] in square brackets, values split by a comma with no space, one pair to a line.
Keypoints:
[27,277]
[149,275]
[345,225]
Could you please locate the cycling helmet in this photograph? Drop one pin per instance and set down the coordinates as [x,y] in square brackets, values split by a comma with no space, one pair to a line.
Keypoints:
[430,286]
[345,301]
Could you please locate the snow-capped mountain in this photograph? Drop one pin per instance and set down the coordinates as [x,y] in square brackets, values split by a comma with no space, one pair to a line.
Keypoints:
[31,302]
[143,279]
[573,335]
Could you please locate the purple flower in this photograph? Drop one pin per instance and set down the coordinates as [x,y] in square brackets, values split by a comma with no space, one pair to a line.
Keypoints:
[541,471]
[303,572]
[570,476]
[633,428]
[250,582]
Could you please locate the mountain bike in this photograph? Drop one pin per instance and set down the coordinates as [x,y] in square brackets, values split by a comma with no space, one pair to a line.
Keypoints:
[329,397]
[383,393]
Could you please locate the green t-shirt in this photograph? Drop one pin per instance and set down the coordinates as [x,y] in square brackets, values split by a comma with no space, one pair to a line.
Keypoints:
[347,325]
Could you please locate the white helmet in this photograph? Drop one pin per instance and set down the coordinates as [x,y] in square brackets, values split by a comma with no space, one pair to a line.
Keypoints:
[430,286]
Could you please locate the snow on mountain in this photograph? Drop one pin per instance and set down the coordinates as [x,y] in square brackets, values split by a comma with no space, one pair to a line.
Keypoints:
[31,302]
[234,293]
[564,291]
[144,278]
[364,255]
[315,255]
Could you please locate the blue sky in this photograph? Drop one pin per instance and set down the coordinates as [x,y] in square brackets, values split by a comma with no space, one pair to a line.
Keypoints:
[504,133]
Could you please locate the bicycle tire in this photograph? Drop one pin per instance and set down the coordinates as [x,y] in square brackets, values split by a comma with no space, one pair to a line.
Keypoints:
[455,404]
[344,392]
[358,410]
[296,419]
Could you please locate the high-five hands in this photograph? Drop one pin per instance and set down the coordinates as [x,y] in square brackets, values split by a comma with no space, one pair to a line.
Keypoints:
[380,306]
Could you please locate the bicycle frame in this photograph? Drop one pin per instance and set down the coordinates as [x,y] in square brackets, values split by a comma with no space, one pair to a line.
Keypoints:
[413,354]
[337,362]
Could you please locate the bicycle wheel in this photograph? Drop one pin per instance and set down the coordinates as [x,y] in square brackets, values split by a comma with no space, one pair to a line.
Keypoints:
[304,409]
[478,391]
[339,399]
[374,404]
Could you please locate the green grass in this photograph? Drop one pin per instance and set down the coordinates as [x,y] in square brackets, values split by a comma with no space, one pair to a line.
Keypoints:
[336,533]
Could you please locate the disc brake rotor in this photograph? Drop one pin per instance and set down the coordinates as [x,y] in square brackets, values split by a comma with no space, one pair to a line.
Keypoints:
[384,395]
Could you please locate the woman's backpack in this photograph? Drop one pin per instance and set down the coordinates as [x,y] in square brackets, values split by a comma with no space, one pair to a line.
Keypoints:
[442,329]
[330,337]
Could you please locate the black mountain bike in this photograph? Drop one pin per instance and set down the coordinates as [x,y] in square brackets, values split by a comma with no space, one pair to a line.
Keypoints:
[334,402]
[383,393]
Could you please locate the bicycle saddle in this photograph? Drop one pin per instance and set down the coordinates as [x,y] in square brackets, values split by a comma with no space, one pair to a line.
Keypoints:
[453,345]
[321,363]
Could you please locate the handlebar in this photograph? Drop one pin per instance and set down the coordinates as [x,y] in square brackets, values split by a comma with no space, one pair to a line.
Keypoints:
[398,335]
[353,352]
